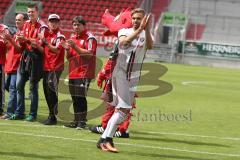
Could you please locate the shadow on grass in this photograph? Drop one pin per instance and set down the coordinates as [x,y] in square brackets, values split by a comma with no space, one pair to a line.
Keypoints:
[162,156]
[168,140]
[33,156]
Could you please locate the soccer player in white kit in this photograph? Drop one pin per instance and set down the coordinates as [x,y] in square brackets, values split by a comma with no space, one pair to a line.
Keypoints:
[133,44]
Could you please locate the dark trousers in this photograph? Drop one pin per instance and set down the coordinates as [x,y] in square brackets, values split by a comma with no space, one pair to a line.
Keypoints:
[50,87]
[2,89]
[78,90]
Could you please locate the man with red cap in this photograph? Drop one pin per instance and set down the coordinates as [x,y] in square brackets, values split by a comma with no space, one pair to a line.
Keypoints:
[53,65]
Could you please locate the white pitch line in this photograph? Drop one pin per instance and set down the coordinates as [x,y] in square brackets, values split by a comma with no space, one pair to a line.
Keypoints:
[194,135]
[181,150]
[147,132]
[126,144]
[194,83]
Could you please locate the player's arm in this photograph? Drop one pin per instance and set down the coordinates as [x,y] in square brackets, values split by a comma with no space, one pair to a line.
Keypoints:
[149,40]
[127,40]
[91,47]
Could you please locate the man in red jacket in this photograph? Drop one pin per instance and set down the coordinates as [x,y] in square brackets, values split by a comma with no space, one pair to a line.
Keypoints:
[53,65]
[31,65]
[3,51]
[11,66]
[81,54]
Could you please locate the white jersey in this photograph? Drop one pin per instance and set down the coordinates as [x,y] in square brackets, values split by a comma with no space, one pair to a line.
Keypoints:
[130,58]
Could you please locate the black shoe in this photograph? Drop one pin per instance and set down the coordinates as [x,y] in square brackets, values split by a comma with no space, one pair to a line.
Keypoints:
[97,129]
[52,120]
[81,125]
[121,135]
[71,125]
[1,112]
[100,141]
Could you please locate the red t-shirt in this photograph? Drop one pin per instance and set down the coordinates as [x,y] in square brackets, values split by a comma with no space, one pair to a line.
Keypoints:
[79,65]
[3,50]
[31,30]
[53,61]
[13,58]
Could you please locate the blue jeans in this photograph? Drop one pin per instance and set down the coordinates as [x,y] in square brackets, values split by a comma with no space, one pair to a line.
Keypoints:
[21,82]
[12,102]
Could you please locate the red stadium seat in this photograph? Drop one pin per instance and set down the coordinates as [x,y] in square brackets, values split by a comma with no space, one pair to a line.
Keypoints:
[92,10]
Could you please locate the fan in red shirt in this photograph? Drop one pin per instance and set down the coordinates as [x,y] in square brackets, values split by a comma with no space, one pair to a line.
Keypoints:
[53,65]
[81,54]
[3,50]
[31,65]
[11,66]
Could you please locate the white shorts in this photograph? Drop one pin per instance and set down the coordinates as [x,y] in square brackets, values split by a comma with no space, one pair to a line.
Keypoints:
[123,91]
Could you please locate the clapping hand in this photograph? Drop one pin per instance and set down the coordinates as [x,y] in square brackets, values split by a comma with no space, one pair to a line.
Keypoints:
[71,43]
[6,36]
[65,45]
[145,22]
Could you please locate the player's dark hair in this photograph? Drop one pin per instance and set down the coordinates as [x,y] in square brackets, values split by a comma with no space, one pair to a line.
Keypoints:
[32,5]
[79,19]
[138,10]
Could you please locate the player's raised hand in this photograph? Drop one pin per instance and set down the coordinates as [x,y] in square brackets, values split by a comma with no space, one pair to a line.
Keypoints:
[145,22]
[148,21]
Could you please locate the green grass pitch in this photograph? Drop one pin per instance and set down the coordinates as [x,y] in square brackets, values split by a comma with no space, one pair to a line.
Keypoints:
[192,113]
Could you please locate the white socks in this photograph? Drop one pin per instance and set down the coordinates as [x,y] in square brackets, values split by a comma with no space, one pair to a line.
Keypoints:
[116,119]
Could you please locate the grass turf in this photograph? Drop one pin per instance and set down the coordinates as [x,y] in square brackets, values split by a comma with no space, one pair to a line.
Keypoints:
[193,115]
